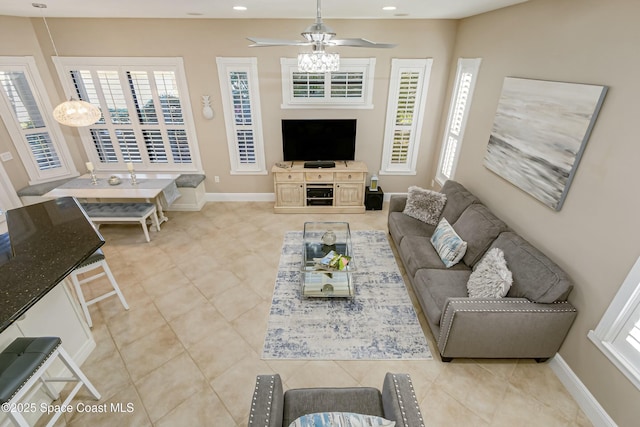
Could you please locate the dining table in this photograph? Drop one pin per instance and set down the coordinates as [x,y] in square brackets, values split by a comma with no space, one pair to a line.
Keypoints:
[152,187]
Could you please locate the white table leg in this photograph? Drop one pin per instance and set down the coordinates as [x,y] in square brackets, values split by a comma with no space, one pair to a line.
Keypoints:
[161,216]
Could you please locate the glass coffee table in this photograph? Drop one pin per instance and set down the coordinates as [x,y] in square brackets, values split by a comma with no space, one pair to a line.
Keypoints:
[327,261]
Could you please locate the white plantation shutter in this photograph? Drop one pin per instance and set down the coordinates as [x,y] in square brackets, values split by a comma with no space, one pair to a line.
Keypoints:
[145,107]
[350,87]
[347,84]
[629,339]
[466,75]
[307,85]
[241,104]
[36,136]
[405,112]
[241,99]
[618,332]
[104,146]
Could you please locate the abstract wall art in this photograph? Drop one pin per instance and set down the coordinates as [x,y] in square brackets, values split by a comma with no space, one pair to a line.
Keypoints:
[539,134]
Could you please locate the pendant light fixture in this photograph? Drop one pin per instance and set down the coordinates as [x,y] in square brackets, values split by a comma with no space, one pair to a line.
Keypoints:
[74,112]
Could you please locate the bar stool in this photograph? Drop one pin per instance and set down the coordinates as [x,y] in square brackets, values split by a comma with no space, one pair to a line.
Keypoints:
[25,362]
[94,261]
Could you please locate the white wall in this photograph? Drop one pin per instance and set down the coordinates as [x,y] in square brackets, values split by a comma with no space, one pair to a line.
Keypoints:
[595,235]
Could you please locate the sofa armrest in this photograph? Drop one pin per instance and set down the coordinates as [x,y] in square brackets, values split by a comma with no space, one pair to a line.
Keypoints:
[267,403]
[397,202]
[503,328]
[399,401]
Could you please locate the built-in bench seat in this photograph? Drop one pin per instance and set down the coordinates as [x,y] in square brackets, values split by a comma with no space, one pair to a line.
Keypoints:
[191,187]
[115,212]
[189,180]
[33,193]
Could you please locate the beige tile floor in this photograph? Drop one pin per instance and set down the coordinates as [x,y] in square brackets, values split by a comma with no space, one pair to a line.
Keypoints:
[188,351]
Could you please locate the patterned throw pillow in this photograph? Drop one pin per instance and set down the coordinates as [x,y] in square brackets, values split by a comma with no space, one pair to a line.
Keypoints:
[491,278]
[342,419]
[425,205]
[448,244]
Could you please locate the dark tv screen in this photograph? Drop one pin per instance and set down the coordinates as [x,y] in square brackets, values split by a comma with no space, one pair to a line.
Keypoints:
[319,139]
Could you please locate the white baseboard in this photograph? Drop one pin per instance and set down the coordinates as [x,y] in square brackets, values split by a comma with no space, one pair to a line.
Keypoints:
[256,197]
[589,405]
[240,197]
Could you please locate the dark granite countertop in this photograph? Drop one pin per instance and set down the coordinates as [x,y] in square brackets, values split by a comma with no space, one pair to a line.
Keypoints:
[45,242]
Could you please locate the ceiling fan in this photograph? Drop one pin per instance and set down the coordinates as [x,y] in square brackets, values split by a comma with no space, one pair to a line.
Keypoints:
[318,35]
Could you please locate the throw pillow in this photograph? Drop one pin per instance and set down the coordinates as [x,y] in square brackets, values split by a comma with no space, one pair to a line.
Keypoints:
[448,244]
[425,205]
[491,278]
[343,419]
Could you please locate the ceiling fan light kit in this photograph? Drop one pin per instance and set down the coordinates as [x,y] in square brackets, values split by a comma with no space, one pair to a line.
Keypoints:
[318,62]
[318,35]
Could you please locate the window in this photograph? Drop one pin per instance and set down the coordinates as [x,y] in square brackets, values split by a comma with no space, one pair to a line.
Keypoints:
[351,87]
[405,110]
[241,104]
[25,108]
[146,114]
[466,75]
[618,333]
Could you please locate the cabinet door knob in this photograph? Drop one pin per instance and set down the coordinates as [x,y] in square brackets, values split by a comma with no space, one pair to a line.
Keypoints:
[289,176]
[319,176]
[349,176]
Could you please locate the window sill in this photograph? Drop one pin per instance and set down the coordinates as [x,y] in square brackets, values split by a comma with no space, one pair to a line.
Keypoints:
[616,358]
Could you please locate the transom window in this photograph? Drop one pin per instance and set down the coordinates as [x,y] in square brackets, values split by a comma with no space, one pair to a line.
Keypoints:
[350,87]
[146,115]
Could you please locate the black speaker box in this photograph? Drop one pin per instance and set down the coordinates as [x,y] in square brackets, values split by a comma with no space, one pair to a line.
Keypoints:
[373,199]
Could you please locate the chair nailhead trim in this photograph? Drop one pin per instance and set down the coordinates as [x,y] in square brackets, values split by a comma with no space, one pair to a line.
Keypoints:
[401,403]
[445,334]
[269,400]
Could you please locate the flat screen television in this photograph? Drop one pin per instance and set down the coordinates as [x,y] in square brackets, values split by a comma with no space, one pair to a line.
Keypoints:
[319,139]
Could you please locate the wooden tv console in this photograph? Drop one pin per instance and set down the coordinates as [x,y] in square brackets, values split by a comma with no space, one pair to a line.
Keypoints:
[339,189]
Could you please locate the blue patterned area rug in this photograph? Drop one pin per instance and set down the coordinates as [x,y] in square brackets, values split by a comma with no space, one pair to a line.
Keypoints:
[379,323]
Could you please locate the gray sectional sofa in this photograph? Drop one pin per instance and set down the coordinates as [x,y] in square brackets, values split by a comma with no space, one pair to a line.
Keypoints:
[531,321]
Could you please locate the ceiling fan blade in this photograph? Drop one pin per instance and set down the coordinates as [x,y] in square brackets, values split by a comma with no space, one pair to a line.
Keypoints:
[262,42]
[359,43]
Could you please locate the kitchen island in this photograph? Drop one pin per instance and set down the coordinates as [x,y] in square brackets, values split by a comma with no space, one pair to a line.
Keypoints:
[44,243]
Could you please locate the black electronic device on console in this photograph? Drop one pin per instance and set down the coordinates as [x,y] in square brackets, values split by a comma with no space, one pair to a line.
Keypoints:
[320,164]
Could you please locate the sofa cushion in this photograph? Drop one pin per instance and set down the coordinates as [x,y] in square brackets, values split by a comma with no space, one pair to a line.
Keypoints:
[535,276]
[458,199]
[450,247]
[418,252]
[401,225]
[479,228]
[425,205]
[491,277]
[433,287]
